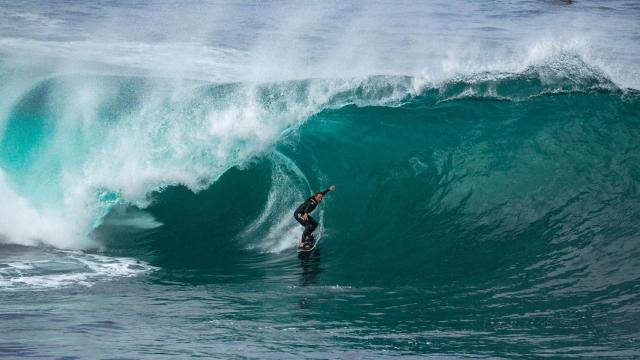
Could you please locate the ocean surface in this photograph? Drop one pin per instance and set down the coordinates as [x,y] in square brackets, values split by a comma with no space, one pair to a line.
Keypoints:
[486,156]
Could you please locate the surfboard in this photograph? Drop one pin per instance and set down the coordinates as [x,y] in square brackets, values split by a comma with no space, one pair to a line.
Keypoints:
[306,248]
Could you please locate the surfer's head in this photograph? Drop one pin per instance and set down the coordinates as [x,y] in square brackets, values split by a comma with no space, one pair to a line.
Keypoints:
[318,196]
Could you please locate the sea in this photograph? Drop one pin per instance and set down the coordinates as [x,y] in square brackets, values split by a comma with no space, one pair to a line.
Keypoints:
[486,158]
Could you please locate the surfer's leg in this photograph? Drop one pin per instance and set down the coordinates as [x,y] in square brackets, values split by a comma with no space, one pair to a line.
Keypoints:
[298,218]
[310,226]
[307,231]
[314,224]
[302,222]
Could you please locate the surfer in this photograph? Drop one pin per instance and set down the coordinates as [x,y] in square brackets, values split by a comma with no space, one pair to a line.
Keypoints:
[302,214]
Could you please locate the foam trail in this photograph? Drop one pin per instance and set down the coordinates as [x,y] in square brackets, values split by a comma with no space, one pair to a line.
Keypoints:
[46,269]
[274,228]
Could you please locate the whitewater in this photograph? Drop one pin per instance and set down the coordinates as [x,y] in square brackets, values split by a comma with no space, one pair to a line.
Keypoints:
[486,156]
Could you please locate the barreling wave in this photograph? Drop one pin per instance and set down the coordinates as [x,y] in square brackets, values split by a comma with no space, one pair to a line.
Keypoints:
[73,147]
[520,187]
[502,176]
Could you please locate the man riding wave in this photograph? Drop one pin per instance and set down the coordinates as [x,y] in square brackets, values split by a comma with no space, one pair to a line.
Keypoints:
[302,215]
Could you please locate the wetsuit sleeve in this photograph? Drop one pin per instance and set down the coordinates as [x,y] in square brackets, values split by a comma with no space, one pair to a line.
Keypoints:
[325,192]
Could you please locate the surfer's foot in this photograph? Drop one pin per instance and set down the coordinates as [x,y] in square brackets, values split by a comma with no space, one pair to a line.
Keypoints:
[306,244]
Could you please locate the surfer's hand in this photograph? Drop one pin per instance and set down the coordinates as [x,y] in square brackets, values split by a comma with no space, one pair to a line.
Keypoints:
[305,217]
[332,188]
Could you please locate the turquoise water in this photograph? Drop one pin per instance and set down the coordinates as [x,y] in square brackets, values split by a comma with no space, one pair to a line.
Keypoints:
[483,211]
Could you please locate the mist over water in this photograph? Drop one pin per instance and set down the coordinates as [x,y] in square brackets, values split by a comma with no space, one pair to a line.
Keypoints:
[485,153]
[276,41]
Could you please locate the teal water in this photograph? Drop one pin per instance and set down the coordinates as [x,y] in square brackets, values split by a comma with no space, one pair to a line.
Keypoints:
[501,223]
[484,207]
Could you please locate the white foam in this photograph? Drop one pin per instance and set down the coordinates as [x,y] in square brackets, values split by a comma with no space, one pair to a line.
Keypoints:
[289,40]
[20,266]
[68,268]
[21,223]
[274,230]
[139,220]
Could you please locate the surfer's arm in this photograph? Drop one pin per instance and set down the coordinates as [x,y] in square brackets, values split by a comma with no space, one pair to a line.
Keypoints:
[331,188]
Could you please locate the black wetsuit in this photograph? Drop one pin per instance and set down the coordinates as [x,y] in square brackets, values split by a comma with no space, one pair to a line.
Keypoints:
[306,208]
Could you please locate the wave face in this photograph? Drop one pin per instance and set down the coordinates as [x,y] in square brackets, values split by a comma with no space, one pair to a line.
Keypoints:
[481,172]
[510,192]
[75,146]
[501,177]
